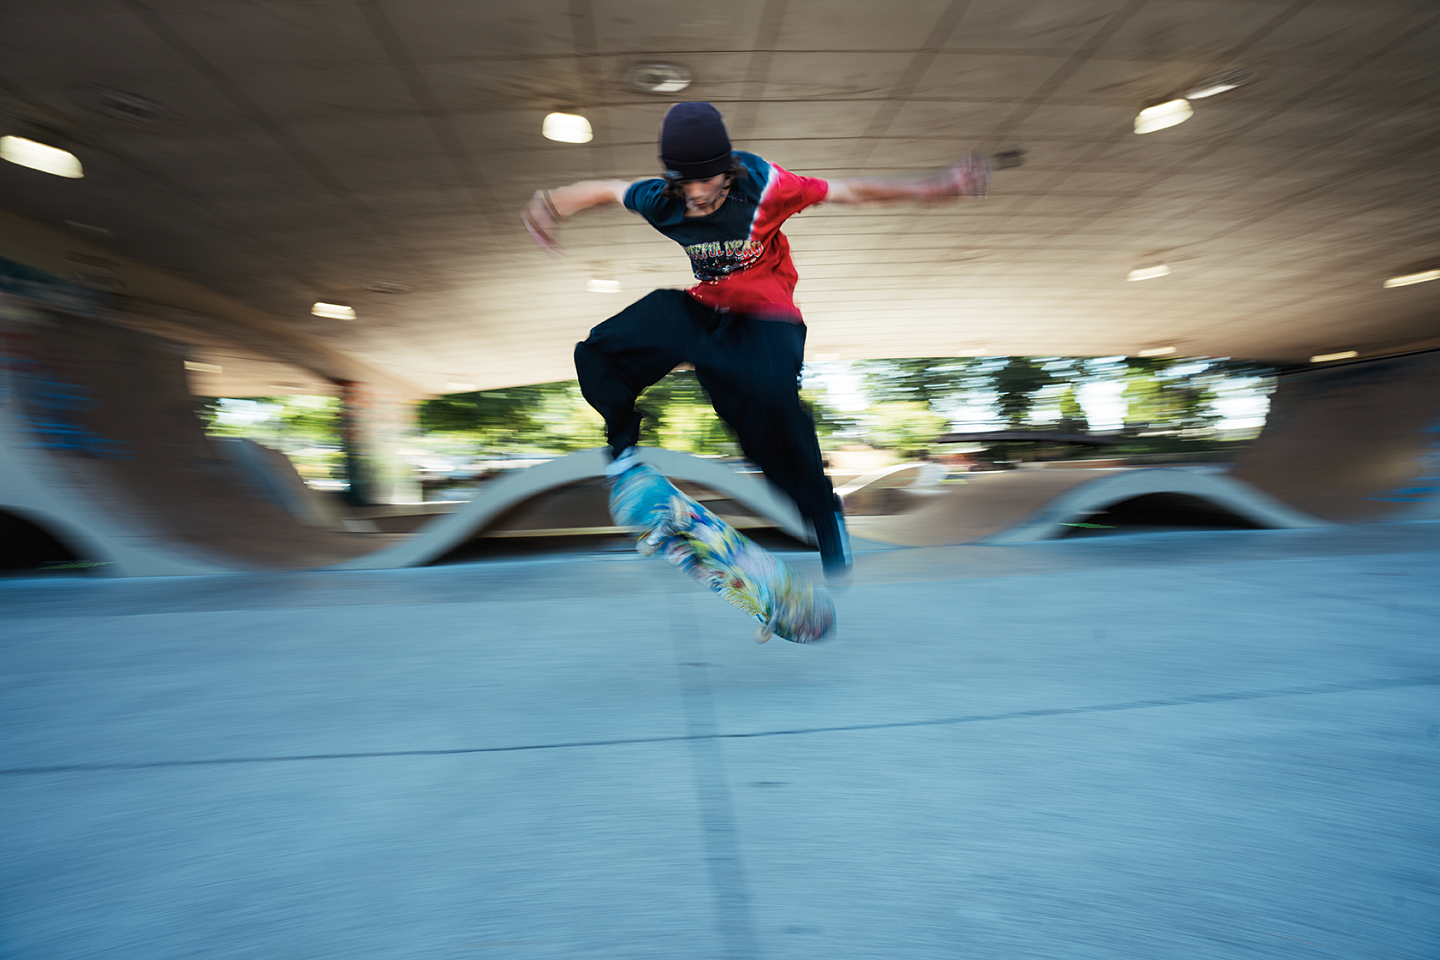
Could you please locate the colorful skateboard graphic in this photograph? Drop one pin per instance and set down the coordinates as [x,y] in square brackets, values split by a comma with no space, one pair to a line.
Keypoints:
[718,556]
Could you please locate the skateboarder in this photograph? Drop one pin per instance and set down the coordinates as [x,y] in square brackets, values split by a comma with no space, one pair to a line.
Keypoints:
[739,326]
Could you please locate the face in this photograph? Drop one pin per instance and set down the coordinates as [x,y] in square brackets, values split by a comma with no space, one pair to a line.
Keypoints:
[704,195]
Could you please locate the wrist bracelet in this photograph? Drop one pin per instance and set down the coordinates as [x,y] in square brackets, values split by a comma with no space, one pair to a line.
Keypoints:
[554,211]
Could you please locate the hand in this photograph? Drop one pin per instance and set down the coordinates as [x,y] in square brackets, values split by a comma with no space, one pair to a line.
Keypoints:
[968,177]
[542,220]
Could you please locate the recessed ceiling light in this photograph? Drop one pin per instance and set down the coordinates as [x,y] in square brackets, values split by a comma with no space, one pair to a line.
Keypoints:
[1163,115]
[94,271]
[203,367]
[1221,82]
[1404,280]
[1342,355]
[567,128]
[40,156]
[1157,351]
[659,77]
[1149,273]
[90,230]
[333,311]
[603,286]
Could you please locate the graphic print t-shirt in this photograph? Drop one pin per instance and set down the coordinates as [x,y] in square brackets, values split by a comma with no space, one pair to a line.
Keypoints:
[738,253]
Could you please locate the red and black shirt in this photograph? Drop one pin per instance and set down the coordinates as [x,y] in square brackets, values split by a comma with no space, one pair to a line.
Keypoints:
[738,253]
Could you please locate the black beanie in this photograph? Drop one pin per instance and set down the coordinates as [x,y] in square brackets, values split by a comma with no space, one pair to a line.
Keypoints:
[693,142]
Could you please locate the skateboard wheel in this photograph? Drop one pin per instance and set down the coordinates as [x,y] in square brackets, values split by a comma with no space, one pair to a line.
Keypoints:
[763,633]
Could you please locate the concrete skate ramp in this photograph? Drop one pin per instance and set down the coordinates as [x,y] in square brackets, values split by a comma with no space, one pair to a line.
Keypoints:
[1025,505]
[1354,443]
[102,448]
[560,501]
[274,479]
[890,490]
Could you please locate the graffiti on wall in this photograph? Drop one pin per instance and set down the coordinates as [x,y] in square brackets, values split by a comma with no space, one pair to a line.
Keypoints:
[1426,485]
[47,406]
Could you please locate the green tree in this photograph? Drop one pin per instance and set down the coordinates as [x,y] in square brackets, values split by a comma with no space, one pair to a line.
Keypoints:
[540,417]
[936,381]
[677,415]
[831,424]
[1017,385]
[1168,395]
[908,427]
[306,429]
[1072,415]
[283,422]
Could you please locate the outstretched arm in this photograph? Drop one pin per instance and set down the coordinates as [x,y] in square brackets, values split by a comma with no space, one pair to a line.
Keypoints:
[968,177]
[546,210]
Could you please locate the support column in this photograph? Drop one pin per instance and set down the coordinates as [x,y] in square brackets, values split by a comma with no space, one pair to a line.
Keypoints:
[374,426]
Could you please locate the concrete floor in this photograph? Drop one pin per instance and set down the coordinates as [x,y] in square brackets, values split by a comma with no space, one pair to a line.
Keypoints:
[1169,745]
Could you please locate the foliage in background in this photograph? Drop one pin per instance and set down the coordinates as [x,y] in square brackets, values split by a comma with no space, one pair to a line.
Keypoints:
[1017,387]
[928,380]
[538,418]
[306,429]
[909,427]
[1162,396]
[1170,403]
[677,415]
[899,405]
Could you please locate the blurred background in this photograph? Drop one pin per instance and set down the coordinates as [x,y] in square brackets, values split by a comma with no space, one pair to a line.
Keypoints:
[317,638]
[868,413]
[300,223]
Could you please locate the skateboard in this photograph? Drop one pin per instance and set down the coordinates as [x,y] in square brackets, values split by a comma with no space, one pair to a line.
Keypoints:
[688,536]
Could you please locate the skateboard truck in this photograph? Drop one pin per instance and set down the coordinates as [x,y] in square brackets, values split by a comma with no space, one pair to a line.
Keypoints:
[672,523]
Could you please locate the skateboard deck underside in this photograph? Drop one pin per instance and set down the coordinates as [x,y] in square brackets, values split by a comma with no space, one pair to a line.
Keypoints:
[697,541]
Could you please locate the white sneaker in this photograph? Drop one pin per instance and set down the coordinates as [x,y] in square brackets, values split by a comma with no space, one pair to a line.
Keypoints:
[620,464]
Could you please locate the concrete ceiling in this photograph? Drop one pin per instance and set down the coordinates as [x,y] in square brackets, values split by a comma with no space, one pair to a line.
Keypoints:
[307,150]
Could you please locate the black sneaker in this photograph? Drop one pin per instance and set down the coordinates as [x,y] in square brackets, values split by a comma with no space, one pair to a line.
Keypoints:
[834,544]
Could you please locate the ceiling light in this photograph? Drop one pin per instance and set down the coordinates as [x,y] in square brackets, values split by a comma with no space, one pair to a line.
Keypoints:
[203,367]
[1149,273]
[659,77]
[90,230]
[1406,279]
[1220,83]
[1157,351]
[94,272]
[333,311]
[1163,115]
[1343,355]
[39,156]
[603,286]
[1209,90]
[567,128]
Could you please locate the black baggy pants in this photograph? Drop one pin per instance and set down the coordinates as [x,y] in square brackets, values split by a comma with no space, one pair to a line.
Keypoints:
[750,368]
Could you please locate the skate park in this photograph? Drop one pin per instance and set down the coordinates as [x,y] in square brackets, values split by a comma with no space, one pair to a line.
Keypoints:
[245,721]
